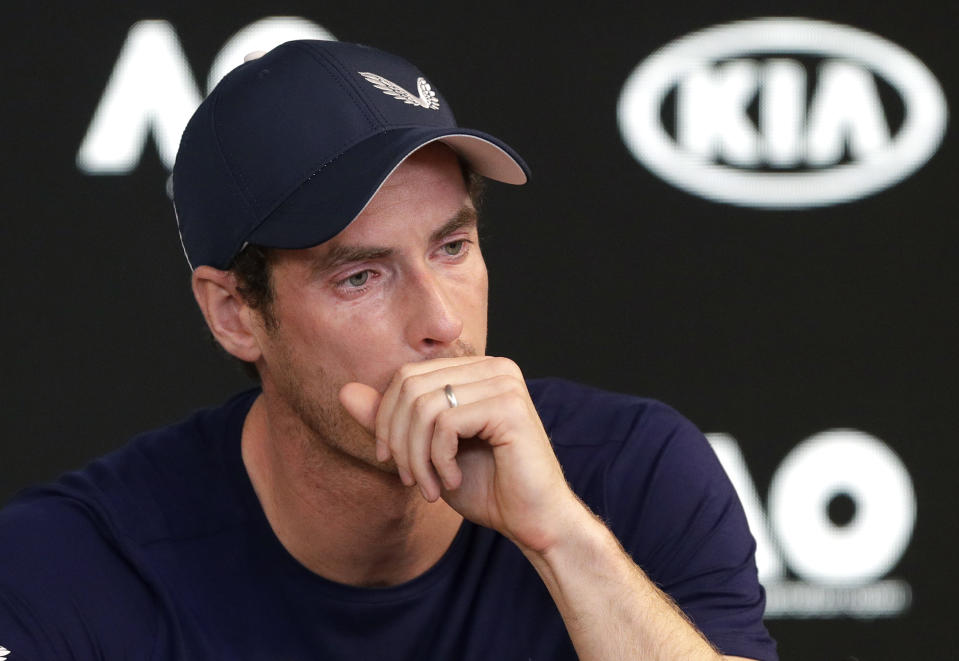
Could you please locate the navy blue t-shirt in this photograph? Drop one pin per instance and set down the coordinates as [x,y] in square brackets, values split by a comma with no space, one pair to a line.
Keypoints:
[161,550]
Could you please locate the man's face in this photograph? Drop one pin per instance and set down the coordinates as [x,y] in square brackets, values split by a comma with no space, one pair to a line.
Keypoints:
[404,282]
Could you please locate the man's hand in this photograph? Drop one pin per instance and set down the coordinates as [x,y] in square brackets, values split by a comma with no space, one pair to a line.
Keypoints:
[489,457]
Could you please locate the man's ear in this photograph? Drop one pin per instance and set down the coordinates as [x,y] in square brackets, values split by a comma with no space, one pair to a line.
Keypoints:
[228,316]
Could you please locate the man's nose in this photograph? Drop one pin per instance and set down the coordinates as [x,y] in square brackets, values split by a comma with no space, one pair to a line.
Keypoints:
[433,320]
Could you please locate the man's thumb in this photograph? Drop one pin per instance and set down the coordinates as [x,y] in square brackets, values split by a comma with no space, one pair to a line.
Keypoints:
[361,402]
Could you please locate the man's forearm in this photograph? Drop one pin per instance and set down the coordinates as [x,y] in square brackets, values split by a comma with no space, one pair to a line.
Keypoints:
[611,608]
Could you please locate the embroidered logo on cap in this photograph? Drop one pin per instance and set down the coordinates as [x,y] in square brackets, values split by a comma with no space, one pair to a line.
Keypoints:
[4,652]
[427,98]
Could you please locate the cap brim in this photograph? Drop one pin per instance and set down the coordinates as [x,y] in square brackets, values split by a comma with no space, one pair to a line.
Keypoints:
[313,214]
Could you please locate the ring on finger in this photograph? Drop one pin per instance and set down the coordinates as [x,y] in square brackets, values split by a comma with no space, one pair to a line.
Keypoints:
[450,396]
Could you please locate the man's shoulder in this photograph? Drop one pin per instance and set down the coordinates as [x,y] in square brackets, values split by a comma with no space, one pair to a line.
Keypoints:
[44,538]
[42,532]
[150,487]
[49,606]
[73,549]
[624,449]
[578,414]
[627,455]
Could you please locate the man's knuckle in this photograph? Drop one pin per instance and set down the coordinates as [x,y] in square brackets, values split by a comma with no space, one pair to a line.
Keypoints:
[409,389]
[507,366]
[444,422]
[501,363]
[510,388]
[515,403]
[421,406]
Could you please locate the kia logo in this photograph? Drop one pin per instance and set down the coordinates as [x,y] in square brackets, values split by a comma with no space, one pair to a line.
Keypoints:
[782,113]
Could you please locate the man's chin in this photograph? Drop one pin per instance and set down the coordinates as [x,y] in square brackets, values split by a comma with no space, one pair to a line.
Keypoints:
[358,445]
[364,459]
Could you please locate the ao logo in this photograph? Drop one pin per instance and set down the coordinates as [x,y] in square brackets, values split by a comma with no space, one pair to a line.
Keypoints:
[837,147]
[840,566]
[151,90]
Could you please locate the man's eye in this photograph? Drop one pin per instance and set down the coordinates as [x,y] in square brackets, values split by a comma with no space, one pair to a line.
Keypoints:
[453,247]
[358,279]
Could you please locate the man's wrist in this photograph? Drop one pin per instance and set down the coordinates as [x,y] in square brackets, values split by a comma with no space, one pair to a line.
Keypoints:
[578,532]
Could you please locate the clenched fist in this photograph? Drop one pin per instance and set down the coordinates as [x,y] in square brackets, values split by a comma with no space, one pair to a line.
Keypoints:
[488,457]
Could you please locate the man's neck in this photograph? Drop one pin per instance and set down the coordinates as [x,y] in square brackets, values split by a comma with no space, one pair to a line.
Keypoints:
[340,518]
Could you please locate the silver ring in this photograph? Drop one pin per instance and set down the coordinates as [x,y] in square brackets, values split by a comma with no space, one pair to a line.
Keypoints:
[450,397]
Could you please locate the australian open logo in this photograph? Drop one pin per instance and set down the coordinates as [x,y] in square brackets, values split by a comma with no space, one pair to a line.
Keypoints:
[782,113]
[840,514]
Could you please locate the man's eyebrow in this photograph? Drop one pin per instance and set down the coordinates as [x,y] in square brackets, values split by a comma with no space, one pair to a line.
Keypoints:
[339,255]
[465,217]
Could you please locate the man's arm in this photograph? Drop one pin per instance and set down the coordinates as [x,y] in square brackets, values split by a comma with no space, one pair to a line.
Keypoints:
[612,610]
[491,460]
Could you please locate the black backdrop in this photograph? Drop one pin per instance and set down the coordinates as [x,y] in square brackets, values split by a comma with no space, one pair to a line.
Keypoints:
[768,326]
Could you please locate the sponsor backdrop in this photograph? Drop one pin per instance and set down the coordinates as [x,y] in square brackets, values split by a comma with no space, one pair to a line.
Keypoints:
[749,216]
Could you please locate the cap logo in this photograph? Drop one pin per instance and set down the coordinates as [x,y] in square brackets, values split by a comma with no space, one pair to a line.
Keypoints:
[427,98]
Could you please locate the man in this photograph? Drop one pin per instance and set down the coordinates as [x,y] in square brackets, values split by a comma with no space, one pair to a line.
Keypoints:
[390,491]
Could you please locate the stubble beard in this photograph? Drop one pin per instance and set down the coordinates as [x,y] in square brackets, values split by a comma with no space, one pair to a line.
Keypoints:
[313,399]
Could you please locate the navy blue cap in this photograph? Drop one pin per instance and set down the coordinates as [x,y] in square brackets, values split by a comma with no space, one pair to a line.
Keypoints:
[290,147]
